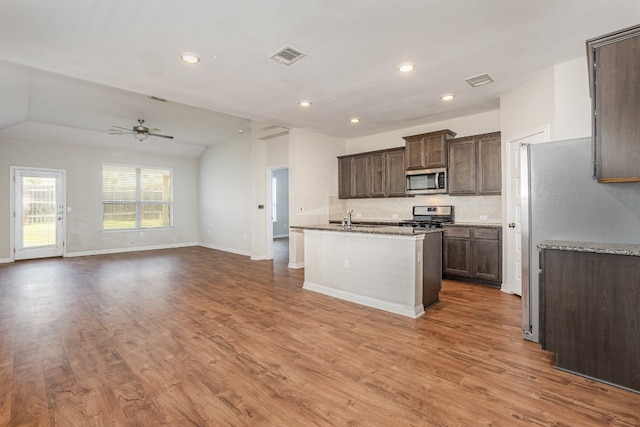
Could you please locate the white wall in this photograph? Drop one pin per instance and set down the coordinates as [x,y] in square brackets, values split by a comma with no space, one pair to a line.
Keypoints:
[462,126]
[572,100]
[225,176]
[527,107]
[313,179]
[83,165]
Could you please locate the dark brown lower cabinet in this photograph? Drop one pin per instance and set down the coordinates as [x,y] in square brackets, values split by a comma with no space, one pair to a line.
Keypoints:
[473,254]
[590,314]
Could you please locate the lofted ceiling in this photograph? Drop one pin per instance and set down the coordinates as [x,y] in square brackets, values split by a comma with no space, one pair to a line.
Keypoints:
[70,70]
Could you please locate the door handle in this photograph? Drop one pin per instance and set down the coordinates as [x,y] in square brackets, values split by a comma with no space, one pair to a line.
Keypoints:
[512,225]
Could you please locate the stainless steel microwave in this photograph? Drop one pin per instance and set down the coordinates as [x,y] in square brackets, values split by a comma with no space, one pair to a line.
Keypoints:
[426,181]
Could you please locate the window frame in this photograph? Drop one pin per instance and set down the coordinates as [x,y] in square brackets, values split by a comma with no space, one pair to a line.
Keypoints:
[138,203]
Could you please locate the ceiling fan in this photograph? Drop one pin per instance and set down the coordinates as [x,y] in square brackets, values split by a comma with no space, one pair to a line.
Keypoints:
[140,132]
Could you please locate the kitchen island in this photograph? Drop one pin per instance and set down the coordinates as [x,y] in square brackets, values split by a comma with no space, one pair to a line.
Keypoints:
[397,269]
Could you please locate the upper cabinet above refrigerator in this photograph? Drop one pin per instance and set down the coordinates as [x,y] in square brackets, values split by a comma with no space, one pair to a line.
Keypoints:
[614,75]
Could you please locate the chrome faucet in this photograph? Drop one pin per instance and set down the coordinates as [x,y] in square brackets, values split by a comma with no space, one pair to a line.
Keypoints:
[346,221]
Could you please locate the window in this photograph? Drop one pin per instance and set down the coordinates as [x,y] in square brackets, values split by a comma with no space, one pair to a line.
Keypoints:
[136,197]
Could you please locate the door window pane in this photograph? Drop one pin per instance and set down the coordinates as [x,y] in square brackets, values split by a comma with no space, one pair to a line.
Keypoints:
[38,212]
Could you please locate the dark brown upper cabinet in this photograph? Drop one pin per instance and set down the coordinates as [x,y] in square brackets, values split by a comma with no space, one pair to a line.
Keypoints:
[614,73]
[475,165]
[372,174]
[427,150]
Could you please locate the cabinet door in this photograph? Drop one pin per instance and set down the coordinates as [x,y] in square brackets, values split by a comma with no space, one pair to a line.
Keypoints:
[489,174]
[456,251]
[456,256]
[361,176]
[435,152]
[462,167]
[617,109]
[345,181]
[394,173]
[486,259]
[414,155]
[377,166]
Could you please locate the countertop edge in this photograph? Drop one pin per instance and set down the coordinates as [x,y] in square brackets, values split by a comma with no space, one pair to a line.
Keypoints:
[380,230]
[473,224]
[628,249]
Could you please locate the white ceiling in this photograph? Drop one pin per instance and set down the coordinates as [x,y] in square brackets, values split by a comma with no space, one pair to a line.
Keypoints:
[71,69]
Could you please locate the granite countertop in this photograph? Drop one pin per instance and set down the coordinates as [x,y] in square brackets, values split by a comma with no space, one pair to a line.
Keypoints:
[474,224]
[598,248]
[370,229]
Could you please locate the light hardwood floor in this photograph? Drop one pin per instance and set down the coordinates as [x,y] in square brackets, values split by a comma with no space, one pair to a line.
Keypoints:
[194,336]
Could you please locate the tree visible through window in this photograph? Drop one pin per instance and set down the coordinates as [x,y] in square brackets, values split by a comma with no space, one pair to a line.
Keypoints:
[135,197]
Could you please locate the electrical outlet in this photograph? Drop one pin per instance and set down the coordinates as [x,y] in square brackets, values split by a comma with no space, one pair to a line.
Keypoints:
[358,215]
[483,217]
[346,263]
[394,216]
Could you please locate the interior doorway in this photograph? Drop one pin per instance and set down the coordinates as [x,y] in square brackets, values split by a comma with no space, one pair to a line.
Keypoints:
[517,201]
[278,226]
[38,206]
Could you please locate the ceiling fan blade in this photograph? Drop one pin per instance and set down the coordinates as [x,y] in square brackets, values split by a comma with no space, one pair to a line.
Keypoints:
[120,132]
[161,136]
[120,127]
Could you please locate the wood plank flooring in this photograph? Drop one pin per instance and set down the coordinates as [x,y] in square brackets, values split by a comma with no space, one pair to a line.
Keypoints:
[198,337]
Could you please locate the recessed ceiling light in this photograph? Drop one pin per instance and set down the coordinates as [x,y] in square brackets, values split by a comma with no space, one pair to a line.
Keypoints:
[304,103]
[355,120]
[190,58]
[405,68]
[447,97]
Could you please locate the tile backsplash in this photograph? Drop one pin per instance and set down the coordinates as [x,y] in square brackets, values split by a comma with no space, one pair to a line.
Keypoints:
[469,209]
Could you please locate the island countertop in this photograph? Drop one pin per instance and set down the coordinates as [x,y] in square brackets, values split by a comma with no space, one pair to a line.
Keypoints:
[369,229]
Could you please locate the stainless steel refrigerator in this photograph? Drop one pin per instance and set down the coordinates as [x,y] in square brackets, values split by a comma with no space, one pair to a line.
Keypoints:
[564,202]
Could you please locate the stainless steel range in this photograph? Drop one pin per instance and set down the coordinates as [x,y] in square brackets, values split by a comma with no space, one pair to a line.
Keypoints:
[430,217]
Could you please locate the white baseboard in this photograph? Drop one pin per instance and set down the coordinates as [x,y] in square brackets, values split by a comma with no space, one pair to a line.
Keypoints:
[5,260]
[296,265]
[280,236]
[132,249]
[224,249]
[413,312]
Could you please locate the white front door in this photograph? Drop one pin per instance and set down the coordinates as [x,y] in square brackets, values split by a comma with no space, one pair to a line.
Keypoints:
[38,213]
[516,150]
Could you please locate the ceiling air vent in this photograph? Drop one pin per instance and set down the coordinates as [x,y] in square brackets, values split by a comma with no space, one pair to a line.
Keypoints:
[480,80]
[155,98]
[288,55]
